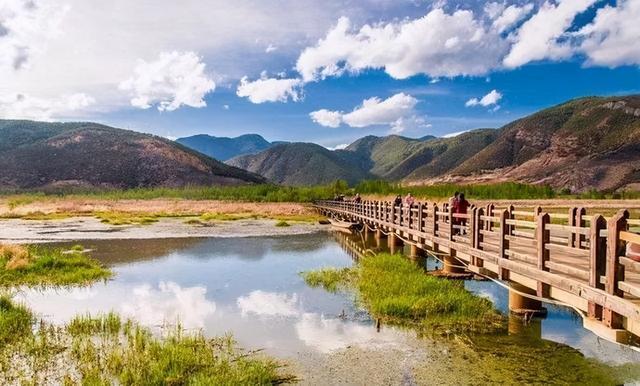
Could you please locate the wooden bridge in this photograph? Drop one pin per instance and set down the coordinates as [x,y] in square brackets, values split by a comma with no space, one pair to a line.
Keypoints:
[575,258]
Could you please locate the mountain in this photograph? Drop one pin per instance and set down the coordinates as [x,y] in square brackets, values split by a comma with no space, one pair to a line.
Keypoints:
[302,164]
[587,143]
[44,154]
[582,144]
[224,148]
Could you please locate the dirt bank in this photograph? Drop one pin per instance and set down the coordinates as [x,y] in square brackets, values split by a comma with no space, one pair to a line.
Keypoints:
[89,228]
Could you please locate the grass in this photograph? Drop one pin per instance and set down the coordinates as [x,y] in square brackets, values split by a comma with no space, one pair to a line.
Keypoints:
[331,279]
[122,218]
[15,321]
[282,224]
[397,291]
[42,266]
[106,350]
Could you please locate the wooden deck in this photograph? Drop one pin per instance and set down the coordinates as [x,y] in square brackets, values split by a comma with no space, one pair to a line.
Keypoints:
[576,258]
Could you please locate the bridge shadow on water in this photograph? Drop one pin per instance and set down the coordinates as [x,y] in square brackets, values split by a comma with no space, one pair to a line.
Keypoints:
[551,349]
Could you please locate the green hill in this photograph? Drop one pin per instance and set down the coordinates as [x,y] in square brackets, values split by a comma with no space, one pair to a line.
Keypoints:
[302,164]
[224,148]
[43,154]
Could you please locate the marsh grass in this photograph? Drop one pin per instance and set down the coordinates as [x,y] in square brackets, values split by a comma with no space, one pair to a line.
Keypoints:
[15,321]
[106,350]
[282,224]
[397,291]
[331,279]
[122,218]
[43,266]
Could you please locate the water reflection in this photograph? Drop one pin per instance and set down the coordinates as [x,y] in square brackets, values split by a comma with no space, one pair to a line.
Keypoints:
[250,287]
[561,325]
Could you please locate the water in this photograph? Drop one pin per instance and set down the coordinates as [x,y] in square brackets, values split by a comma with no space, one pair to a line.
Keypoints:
[251,287]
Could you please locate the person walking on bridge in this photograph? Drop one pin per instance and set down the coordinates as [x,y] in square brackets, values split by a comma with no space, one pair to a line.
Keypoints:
[397,201]
[409,200]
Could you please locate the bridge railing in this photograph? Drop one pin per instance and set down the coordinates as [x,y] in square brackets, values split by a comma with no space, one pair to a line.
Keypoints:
[579,249]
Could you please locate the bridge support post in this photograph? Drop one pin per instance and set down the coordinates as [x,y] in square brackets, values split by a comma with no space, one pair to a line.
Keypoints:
[523,305]
[451,264]
[366,232]
[416,252]
[395,244]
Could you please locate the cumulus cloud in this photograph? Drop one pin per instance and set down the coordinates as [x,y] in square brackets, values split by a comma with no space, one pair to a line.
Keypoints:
[396,111]
[169,303]
[612,39]
[270,89]
[268,304]
[341,146]
[171,81]
[538,38]
[510,16]
[326,117]
[328,334]
[438,45]
[21,106]
[25,27]
[491,98]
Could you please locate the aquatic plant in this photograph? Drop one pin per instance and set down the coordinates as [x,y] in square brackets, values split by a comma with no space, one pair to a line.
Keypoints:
[45,266]
[396,290]
[124,218]
[331,279]
[15,321]
[105,350]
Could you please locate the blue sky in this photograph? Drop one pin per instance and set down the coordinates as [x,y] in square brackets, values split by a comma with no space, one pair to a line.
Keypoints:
[326,73]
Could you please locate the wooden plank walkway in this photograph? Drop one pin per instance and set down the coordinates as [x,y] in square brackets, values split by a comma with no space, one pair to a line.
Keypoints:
[572,257]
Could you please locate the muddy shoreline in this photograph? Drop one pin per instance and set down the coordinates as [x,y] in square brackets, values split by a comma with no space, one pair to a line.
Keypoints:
[19,231]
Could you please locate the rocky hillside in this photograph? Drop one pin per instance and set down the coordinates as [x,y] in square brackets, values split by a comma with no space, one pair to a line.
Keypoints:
[224,148]
[302,164]
[43,154]
[582,144]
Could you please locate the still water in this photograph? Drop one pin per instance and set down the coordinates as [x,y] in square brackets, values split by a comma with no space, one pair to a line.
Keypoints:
[251,287]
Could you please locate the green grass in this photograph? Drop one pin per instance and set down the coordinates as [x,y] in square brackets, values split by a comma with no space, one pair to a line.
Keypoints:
[282,224]
[396,290]
[15,321]
[121,218]
[276,193]
[331,279]
[106,350]
[43,266]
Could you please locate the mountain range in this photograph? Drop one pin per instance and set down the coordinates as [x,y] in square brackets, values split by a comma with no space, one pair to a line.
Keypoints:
[224,148]
[586,143]
[81,154]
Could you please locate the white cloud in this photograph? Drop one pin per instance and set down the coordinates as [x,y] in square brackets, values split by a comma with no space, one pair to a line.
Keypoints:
[455,134]
[326,118]
[270,89]
[20,106]
[173,80]
[169,303]
[25,28]
[270,48]
[510,16]
[538,38]
[226,107]
[268,304]
[613,38]
[438,45]
[341,146]
[396,111]
[491,98]
[375,111]
[329,334]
